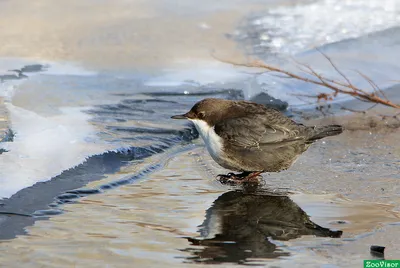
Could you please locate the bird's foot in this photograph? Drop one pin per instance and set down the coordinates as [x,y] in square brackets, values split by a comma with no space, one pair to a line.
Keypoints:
[242,178]
[230,178]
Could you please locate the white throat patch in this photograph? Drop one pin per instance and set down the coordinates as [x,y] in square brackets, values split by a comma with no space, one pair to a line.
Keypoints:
[213,142]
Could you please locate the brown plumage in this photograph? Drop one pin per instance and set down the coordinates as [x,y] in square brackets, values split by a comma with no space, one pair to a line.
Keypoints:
[253,138]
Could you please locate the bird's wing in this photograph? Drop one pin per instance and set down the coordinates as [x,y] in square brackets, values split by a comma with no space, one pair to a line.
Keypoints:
[258,130]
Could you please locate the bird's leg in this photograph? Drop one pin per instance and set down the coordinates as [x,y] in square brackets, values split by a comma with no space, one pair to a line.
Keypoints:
[252,177]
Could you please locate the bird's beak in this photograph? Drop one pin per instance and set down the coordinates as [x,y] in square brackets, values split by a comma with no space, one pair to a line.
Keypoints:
[180,116]
[188,115]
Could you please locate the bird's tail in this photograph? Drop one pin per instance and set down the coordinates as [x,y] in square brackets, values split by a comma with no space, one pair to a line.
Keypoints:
[325,131]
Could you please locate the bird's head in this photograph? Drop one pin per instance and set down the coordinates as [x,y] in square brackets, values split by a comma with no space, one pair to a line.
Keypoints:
[208,110]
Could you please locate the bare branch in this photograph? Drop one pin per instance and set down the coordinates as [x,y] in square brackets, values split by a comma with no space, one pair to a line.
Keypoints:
[338,87]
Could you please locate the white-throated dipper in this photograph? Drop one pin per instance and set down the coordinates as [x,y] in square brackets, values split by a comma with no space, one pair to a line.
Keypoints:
[251,138]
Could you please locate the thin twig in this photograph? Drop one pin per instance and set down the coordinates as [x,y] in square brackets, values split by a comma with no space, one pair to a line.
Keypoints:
[353,110]
[358,111]
[336,68]
[373,84]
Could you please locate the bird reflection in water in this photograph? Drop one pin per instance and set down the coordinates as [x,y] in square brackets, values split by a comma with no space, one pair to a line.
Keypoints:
[240,223]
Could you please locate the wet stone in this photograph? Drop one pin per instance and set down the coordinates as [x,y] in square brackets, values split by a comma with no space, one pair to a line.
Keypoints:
[377,251]
[269,101]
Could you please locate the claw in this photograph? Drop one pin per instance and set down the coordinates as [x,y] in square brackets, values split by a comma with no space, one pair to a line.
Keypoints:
[234,179]
[229,178]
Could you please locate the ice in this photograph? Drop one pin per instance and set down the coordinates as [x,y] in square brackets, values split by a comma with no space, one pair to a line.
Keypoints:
[43,147]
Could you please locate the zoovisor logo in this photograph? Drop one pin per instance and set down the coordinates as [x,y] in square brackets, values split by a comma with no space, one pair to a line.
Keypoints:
[382,263]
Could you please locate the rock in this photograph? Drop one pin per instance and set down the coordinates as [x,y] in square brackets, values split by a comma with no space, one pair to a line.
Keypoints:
[269,101]
[377,251]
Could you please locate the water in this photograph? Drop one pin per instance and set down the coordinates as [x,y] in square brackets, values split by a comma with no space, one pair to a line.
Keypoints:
[90,156]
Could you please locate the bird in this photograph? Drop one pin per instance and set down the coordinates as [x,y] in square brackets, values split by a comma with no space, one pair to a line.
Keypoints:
[251,138]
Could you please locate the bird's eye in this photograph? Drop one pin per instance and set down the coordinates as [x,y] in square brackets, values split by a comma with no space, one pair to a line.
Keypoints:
[202,114]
